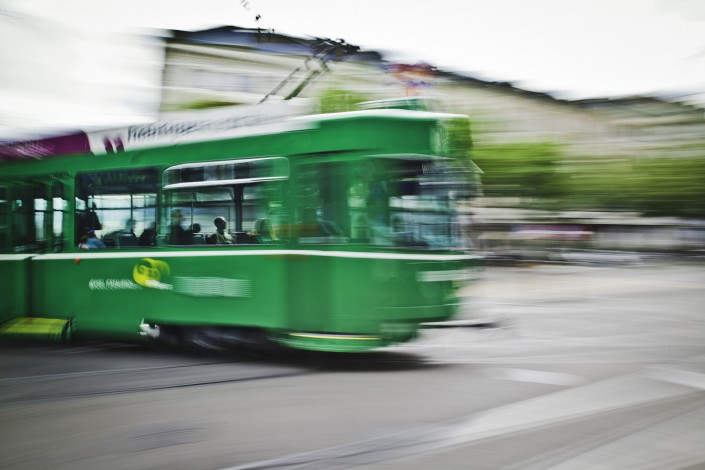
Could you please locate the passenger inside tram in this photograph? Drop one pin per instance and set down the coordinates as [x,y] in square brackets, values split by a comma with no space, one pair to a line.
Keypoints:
[149,235]
[263,231]
[177,235]
[91,242]
[221,235]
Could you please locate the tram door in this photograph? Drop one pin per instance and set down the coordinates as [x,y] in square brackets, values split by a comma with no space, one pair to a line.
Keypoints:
[32,221]
[321,222]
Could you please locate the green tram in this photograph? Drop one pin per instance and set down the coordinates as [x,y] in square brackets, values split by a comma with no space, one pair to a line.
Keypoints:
[334,232]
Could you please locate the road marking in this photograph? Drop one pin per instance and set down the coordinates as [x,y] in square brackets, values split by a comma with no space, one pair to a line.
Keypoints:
[641,443]
[565,405]
[597,397]
[678,376]
[534,376]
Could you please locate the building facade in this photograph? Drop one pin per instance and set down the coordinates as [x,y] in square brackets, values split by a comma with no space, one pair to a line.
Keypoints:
[230,65]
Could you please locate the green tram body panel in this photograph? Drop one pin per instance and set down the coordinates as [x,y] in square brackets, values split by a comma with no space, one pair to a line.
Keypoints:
[15,279]
[327,295]
[274,291]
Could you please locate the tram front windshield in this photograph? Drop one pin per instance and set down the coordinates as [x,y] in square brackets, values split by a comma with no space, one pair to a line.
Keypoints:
[407,201]
[400,201]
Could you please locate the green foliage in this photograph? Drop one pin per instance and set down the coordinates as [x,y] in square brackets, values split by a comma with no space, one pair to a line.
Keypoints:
[459,138]
[652,186]
[337,101]
[457,143]
[541,176]
[528,170]
[671,186]
[599,184]
[201,104]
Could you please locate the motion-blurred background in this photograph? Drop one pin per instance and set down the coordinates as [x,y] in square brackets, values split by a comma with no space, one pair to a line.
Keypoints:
[588,121]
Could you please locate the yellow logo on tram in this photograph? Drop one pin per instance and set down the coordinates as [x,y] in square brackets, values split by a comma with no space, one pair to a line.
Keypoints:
[151,273]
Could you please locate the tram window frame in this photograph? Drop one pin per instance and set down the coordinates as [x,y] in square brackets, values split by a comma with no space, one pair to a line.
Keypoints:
[193,188]
[132,194]
[59,218]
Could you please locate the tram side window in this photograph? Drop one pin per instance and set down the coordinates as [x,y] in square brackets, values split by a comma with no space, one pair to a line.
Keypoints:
[253,214]
[32,215]
[29,218]
[116,209]
[228,202]
[264,214]
[190,214]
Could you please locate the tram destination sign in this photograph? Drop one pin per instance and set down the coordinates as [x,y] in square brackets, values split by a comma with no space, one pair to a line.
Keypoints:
[38,149]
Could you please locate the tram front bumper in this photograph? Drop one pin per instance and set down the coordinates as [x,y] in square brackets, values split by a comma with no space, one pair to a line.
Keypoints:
[331,342]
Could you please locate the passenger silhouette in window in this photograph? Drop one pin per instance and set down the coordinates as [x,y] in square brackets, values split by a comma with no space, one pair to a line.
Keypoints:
[221,236]
[263,231]
[149,235]
[91,242]
[177,235]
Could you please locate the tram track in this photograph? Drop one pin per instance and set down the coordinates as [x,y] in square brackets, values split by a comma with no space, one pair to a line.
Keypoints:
[91,373]
[48,388]
[125,391]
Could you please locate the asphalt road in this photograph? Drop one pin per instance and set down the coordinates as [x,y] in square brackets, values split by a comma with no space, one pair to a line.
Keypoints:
[592,367]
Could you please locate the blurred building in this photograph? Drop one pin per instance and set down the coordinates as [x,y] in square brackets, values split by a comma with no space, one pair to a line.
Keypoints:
[633,126]
[648,126]
[232,65]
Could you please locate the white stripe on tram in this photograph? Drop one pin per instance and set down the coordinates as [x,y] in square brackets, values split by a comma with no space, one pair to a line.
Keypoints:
[15,257]
[211,253]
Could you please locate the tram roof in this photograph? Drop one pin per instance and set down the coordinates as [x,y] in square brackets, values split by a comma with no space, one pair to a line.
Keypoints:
[194,127]
[387,113]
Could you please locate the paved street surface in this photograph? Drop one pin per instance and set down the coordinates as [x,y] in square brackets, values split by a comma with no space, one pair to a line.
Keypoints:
[590,367]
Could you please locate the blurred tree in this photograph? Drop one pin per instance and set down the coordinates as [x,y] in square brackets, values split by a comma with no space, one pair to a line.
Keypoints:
[527,170]
[543,175]
[671,186]
[202,104]
[457,143]
[459,138]
[599,183]
[338,100]
[652,186]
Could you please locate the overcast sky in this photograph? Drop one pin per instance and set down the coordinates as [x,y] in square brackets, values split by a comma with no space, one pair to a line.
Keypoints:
[70,63]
